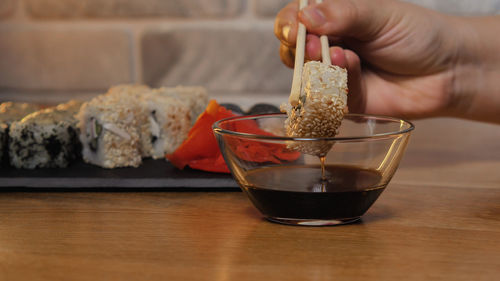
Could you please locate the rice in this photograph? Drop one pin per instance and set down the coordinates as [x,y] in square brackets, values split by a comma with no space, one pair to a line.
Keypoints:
[168,123]
[46,138]
[10,112]
[109,132]
[195,98]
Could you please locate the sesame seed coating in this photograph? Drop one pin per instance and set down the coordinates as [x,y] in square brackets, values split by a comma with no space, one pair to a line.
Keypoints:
[321,108]
[113,150]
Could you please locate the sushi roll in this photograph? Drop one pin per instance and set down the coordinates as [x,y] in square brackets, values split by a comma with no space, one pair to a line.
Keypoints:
[321,108]
[109,131]
[164,121]
[10,112]
[168,123]
[46,138]
[322,104]
[195,97]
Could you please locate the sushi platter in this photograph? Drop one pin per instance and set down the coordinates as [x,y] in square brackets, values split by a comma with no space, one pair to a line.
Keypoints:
[115,140]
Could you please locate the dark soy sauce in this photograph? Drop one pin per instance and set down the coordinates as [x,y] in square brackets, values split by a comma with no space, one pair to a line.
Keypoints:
[324,179]
[322,192]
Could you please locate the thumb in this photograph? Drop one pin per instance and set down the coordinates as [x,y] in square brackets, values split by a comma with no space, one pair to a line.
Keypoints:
[362,20]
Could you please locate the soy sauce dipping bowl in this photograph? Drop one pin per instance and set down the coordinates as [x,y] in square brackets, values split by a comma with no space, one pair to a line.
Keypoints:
[287,182]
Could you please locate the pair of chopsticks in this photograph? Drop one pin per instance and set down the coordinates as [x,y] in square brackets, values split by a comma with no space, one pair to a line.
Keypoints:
[299,57]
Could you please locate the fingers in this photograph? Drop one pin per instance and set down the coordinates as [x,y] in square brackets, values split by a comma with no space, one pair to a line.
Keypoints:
[312,51]
[313,48]
[338,19]
[358,19]
[285,24]
[287,55]
[338,57]
[285,29]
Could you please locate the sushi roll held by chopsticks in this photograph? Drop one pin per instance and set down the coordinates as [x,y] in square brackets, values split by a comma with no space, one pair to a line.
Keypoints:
[318,98]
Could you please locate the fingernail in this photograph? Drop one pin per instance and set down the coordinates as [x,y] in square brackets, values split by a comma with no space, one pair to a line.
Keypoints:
[285,31]
[314,16]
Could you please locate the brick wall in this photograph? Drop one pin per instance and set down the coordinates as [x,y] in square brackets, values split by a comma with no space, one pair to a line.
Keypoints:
[53,50]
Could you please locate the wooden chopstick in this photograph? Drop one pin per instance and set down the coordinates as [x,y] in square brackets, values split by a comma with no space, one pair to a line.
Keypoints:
[299,61]
[325,48]
[299,57]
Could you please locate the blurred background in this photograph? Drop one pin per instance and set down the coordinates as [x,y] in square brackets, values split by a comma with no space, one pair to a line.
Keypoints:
[55,50]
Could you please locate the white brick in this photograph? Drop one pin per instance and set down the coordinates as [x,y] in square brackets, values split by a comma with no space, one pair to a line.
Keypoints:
[221,59]
[134,8]
[64,59]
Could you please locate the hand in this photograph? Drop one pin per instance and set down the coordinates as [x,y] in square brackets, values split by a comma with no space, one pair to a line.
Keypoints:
[401,59]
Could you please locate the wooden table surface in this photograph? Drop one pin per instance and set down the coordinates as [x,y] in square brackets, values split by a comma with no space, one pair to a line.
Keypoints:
[439,219]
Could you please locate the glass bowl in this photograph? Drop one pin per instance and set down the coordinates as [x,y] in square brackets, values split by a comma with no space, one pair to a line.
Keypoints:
[289,182]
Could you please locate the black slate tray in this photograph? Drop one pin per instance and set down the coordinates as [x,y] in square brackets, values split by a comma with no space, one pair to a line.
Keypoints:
[152,174]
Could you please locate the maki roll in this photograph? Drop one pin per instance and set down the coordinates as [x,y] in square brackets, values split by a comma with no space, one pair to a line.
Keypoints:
[168,123]
[321,106]
[46,138]
[10,112]
[195,97]
[164,121]
[109,131]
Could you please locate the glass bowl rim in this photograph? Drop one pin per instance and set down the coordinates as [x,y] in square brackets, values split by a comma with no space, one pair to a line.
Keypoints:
[217,129]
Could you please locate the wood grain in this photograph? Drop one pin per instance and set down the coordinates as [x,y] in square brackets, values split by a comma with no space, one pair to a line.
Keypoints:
[420,229]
